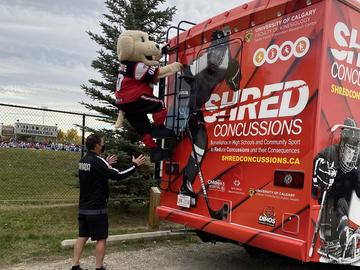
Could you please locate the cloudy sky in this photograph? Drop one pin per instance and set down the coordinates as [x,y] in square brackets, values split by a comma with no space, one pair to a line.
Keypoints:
[45,53]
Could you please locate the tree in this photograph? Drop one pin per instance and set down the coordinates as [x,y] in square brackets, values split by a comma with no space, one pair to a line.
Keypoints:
[61,136]
[72,136]
[123,15]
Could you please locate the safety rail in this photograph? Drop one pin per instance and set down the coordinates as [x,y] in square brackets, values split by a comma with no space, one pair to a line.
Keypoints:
[162,87]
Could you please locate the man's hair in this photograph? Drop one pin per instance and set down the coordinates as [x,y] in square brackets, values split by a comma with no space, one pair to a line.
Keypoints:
[92,140]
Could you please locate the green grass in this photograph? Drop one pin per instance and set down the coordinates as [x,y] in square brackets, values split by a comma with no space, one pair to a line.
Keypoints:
[32,226]
[28,174]
[34,234]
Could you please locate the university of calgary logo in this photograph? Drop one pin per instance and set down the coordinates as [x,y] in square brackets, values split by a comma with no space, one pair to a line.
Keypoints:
[267,217]
[251,192]
[248,36]
[281,52]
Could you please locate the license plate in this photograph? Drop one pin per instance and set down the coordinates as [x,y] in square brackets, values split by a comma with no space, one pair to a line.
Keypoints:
[183,200]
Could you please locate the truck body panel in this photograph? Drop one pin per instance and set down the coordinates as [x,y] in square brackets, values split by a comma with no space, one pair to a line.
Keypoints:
[298,77]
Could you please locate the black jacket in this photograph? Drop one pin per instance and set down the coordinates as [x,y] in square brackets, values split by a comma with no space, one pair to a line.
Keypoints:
[94,172]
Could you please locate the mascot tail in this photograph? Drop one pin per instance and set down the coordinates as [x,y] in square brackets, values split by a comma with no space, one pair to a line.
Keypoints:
[119,120]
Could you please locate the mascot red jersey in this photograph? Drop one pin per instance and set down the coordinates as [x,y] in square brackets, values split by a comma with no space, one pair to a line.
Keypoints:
[139,70]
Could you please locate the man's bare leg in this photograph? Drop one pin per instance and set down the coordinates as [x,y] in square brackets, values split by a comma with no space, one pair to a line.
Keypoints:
[100,252]
[78,249]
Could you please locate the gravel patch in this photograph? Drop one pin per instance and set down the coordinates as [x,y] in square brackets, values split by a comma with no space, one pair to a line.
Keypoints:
[192,256]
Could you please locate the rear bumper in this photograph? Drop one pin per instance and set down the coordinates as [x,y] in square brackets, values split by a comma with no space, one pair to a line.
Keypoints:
[280,244]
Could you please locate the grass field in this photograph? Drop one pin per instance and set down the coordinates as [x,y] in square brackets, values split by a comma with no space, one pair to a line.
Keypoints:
[35,233]
[29,174]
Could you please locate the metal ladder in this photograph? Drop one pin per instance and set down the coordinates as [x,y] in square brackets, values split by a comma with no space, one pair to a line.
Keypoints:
[178,81]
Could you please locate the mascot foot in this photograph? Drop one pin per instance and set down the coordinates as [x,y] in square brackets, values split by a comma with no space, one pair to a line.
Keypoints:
[158,154]
[161,132]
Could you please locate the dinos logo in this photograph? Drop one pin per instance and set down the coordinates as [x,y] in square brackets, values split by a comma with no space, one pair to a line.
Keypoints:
[283,52]
[267,217]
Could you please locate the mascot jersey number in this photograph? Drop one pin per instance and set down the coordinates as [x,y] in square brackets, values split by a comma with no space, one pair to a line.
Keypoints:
[139,70]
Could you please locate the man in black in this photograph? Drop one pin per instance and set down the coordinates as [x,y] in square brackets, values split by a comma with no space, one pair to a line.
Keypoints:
[94,172]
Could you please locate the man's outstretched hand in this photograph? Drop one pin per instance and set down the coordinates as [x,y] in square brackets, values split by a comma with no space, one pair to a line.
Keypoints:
[140,160]
[111,159]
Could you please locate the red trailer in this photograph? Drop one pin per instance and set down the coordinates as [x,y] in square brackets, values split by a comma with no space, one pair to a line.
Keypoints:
[266,113]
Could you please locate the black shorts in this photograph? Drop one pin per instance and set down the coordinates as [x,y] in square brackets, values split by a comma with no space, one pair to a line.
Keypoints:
[94,226]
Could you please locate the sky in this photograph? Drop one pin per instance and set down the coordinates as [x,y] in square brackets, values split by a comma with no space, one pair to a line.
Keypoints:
[46,54]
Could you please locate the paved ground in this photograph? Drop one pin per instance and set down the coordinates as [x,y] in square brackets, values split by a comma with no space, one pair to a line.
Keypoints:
[192,256]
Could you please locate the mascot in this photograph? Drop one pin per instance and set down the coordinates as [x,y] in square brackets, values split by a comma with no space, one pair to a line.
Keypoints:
[139,70]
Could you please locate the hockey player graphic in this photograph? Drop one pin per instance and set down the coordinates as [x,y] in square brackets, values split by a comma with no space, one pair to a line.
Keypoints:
[217,66]
[336,177]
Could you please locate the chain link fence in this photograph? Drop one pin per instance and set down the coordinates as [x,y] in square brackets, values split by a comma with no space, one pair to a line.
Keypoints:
[39,152]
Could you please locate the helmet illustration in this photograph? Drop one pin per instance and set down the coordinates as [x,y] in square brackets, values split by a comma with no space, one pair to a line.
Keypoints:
[218,50]
[349,146]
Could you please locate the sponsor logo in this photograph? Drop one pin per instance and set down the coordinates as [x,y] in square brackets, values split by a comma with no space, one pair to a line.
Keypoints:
[283,52]
[259,57]
[216,184]
[236,183]
[267,217]
[248,36]
[236,187]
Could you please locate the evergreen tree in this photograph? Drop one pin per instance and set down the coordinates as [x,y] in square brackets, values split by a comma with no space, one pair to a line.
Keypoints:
[123,15]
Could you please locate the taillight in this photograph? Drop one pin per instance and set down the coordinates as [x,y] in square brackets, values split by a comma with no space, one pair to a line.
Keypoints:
[291,179]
